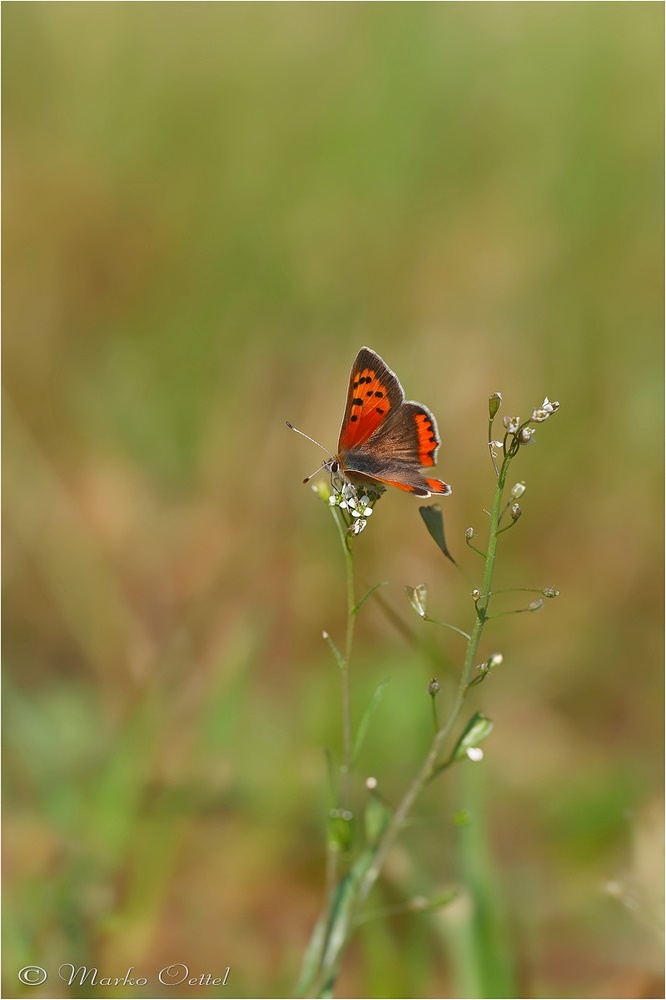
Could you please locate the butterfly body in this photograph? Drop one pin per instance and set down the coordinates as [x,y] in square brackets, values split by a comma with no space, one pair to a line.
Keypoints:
[384,437]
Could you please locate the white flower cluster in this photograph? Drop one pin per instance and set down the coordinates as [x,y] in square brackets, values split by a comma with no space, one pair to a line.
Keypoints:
[545,410]
[358,507]
[523,433]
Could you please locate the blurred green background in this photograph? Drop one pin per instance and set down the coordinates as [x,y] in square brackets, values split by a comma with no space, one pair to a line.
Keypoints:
[208,209]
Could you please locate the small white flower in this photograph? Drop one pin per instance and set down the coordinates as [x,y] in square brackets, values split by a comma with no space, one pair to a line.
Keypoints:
[359,507]
[512,424]
[357,526]
[545,410]
[526,436]
[494,447]
[518,490]
[475,753]
[494,660]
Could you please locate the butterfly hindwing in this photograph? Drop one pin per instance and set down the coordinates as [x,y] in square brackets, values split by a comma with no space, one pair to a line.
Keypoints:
[407,440]
[392,472]
[409,434]
[420,486]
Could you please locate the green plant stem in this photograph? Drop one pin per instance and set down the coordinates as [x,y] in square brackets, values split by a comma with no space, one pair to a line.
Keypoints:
[329,968]
[346,695]
[435,720]
[452,628]
[347,741]
[333,851]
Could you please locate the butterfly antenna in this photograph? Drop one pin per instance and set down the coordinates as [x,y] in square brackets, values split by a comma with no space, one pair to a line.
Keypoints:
[291,427]
[323,465]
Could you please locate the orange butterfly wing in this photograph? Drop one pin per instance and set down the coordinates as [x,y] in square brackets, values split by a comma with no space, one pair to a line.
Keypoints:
[374,391]
[384,437]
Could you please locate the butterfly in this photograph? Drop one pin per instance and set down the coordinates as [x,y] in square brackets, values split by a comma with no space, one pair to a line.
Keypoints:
[383,437]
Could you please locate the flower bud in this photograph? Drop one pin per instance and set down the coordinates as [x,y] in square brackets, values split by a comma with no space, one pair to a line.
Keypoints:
[469,533]
[518,490]
[536,605]
[483,673]
[494,404]
[476,594]
[550,592]
[494,660]
[433,687]
[516,512]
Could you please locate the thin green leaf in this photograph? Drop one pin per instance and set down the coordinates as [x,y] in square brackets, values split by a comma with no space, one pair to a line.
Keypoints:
[342,912]
[436,902]
[340,660]
[365,721]
[312,957]
[416,905]
[434,522]
[360,604]
[476,731]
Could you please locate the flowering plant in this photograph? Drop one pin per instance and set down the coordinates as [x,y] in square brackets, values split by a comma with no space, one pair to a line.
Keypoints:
[353,871]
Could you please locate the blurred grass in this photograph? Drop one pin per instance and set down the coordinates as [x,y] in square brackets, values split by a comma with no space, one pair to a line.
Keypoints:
[207,210]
